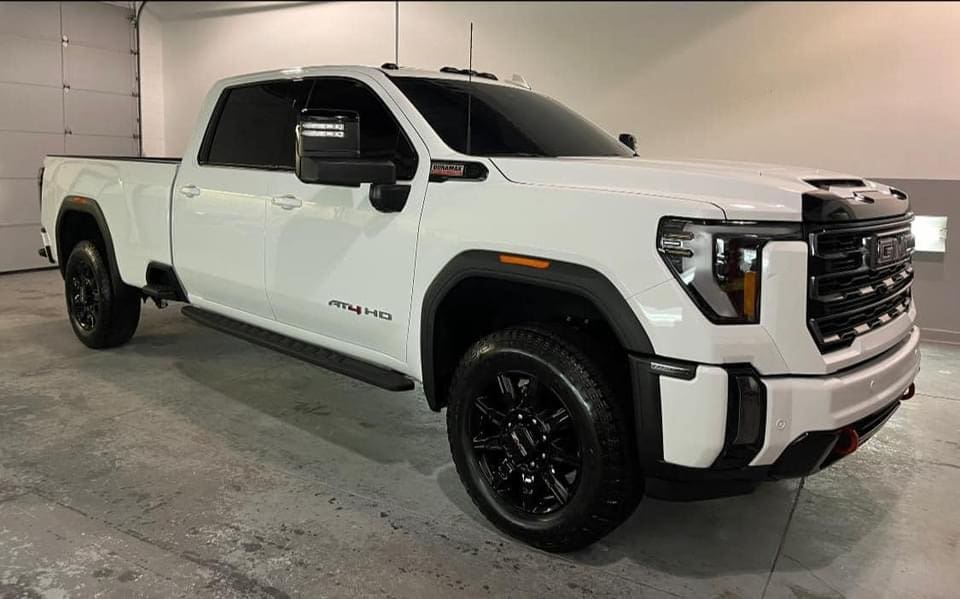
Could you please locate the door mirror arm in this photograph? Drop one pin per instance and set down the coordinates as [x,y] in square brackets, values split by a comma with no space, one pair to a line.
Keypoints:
[389,197]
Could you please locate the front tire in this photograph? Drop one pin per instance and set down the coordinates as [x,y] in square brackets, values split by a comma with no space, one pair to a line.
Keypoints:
[541,443]
[101,316]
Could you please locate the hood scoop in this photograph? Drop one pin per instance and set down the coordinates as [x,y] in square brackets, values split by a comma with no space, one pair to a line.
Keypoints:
[826,184]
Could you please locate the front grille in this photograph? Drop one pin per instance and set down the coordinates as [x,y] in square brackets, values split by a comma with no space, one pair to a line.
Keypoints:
[860,278]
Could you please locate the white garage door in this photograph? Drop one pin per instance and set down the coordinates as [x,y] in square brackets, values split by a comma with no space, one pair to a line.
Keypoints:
[67,85]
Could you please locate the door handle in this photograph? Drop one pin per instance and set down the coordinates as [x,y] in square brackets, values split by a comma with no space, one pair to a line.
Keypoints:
[190,191]
[287,202]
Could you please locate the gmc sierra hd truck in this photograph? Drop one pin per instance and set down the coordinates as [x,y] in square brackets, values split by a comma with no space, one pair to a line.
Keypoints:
[589,319]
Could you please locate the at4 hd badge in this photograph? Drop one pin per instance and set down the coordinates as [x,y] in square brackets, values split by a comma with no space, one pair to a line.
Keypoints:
[360,310]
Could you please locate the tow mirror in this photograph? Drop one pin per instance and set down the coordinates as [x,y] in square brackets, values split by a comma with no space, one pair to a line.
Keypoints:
[328,151]
[628,140]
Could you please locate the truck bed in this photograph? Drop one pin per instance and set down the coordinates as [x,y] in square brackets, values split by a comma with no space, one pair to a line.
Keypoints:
[132,196]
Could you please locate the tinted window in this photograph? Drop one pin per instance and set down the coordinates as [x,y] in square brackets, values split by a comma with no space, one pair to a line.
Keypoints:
[380,134]
[255,125]
[505,121]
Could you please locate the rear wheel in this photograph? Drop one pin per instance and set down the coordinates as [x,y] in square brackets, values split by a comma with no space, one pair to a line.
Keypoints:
[101,316]
[541,443]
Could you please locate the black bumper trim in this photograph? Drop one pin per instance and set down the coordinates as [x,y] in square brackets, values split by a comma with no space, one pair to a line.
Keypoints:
[806,455]
[740,445]
[813,451]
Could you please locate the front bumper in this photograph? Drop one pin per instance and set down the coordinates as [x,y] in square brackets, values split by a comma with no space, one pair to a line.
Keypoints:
[695,422]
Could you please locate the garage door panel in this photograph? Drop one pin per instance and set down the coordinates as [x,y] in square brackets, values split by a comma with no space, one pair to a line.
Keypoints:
[19,202]
[24,60]
[98,113]
[18,247]
[36,110]
[39,20]
[97,24]
[33,108]
[99,70]
[96,145]
[22,153]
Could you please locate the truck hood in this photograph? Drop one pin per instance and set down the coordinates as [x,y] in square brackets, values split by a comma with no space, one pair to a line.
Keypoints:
[744,191]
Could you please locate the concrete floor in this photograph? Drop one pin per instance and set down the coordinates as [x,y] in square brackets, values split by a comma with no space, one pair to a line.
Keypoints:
[188,463]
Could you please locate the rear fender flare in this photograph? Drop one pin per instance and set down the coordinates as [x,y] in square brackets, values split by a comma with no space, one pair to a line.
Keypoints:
[89,206]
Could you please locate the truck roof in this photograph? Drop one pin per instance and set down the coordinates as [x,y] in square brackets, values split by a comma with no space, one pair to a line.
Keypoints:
[388,69]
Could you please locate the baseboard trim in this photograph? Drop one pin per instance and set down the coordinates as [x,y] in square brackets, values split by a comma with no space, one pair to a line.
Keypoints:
[940,336]
[25,270]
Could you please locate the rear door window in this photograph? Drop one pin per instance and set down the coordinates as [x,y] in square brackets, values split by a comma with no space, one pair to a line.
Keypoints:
[254,126]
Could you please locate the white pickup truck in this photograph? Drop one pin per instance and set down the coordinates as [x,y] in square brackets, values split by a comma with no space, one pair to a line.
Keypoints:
[589,319]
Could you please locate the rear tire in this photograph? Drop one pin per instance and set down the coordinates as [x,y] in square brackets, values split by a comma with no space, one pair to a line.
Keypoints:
[542,444]
[101,315]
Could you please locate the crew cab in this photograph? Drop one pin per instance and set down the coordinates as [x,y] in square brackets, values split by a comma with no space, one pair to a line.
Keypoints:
[589,319]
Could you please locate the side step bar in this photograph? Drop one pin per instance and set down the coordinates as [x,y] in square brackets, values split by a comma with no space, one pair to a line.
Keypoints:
[329,359]
[161,292]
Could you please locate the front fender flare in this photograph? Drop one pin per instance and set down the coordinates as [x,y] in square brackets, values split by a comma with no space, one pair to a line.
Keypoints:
[562,276]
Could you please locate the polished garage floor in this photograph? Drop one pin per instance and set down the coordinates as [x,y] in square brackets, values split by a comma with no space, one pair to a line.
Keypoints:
[191,464]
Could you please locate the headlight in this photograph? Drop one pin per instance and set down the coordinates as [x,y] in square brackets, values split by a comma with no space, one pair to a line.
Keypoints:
[719,262]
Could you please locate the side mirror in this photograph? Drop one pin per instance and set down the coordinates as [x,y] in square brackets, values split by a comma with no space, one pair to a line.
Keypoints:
[628,140]
[328,150]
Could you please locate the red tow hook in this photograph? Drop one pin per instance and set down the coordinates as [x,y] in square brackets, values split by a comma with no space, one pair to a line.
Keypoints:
[910,392]
[848,442]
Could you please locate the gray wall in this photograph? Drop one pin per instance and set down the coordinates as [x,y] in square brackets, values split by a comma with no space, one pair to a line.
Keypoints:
[67,83]
[937,283]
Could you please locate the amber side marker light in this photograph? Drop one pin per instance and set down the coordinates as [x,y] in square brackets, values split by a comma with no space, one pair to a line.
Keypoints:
[750,296]
[524,261]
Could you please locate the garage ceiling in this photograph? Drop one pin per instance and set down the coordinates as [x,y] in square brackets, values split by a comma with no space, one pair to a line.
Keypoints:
[67,85]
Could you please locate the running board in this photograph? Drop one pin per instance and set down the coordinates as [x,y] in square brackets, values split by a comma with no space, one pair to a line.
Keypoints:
[326,358]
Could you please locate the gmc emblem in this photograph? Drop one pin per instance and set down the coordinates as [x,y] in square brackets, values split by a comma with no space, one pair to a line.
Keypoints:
[889,249]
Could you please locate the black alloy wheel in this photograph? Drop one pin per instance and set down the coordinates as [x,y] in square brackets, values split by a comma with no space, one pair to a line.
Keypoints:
[542,443]
[524,443]
[84,296]
[103,314]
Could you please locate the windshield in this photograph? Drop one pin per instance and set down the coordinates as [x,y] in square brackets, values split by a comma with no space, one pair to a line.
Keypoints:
[505,121]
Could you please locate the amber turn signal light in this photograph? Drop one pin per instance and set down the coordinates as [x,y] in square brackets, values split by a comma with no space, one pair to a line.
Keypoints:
[524,261]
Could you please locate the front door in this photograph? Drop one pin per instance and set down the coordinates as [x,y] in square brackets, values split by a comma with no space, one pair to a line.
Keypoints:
[221,196]
[335,266]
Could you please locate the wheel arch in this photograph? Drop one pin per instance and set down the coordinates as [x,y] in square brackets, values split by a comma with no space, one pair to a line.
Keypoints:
[572,285]
[84,210]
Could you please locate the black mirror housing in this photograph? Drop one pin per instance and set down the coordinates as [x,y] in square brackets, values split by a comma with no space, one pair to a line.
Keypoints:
[328,151]
[329,171]
[629,140]
[328,134]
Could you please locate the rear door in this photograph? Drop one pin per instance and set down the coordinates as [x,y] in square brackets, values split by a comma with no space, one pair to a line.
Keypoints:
[335,265]
[221,195]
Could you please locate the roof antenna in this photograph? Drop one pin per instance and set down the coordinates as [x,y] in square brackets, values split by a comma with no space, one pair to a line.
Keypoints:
[396,33]
[470,89]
